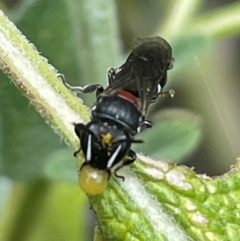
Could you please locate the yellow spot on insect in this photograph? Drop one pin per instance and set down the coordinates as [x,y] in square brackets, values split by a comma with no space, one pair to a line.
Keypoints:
[106,139]
[93,181]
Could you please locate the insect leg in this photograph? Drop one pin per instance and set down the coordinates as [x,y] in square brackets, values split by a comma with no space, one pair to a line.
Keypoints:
[78,128]
[77,151]
[85,89]
[170,93]
[111,75]
[131,157]
[153,100]
[146,125]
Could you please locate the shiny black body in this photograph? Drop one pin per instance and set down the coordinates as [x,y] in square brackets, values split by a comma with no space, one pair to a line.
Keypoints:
[120,110]
[99,148]
[107,138]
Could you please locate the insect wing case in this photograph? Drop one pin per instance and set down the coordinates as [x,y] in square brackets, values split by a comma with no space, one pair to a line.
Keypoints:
[145,71]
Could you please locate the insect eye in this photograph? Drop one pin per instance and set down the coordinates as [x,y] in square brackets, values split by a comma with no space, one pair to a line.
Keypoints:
[171,63]
[93,181]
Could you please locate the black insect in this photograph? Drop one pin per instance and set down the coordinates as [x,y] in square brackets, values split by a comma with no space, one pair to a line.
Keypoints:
[144,74]
[120,110]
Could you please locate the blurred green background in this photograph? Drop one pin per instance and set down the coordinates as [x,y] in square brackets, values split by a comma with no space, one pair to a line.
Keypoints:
[39,195]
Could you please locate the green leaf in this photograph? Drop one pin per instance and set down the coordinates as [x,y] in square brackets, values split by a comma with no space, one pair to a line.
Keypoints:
[174,135]
[162,201]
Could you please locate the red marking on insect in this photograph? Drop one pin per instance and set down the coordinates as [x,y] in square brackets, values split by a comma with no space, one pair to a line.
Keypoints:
[128,96]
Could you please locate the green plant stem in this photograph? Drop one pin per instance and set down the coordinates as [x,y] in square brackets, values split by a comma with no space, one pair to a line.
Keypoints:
[38,81]
[178,17]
